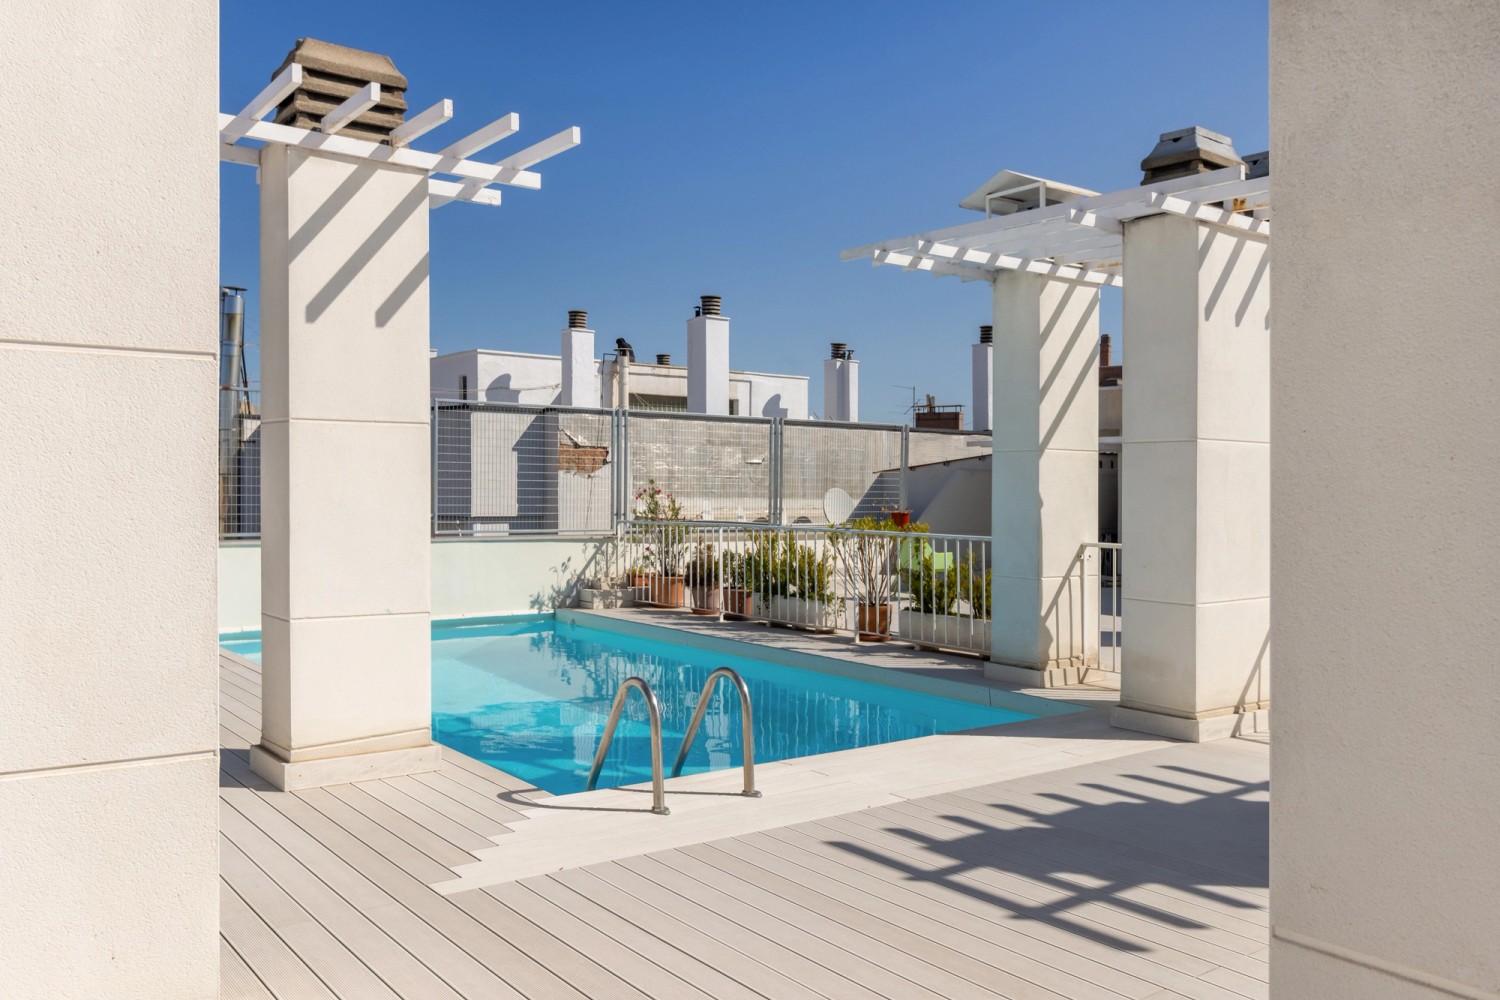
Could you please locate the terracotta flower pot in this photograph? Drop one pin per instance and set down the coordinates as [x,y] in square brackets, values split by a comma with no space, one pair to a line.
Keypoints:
[666,591]
[901,518]
[706,599]
[639,580]
[874,622]
[740,603]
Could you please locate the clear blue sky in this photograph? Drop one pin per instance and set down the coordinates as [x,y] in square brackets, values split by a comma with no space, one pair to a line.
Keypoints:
[735,149]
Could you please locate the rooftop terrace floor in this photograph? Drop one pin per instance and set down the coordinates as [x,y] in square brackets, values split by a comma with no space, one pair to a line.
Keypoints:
[1052,858]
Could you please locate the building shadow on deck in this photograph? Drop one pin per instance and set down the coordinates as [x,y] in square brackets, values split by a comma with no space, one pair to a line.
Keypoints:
[1187,834]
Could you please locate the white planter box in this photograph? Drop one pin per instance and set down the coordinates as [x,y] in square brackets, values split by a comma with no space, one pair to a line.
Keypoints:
[952,631]
[603,598]
[808,614]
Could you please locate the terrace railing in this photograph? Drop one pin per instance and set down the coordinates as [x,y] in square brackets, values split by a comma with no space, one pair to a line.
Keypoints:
[924,588]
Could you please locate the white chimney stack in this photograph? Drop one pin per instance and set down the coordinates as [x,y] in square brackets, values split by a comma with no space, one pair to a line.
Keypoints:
[708,359]
[580,378]
[841,385]
[984,379]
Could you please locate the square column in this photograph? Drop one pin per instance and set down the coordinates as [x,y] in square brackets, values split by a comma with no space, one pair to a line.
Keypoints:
[580,371]
[708,364]
[345,548]
[1045,498]
[983,399]
[1195,491]
[841,389]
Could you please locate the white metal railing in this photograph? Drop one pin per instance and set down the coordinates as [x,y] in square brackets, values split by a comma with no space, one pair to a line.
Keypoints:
[924,588]
[1103,559]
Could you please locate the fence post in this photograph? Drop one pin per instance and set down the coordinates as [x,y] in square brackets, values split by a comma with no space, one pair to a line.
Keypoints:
[905,466]
[775,509]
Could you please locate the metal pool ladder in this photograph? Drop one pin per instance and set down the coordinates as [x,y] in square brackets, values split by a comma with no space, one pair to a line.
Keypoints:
[653,709]
[747,724]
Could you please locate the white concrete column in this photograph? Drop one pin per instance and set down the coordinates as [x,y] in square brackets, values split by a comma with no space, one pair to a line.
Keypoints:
[1045,497]
[345,549]
[1195,489]
[982,360]
[708,364]
[580,369]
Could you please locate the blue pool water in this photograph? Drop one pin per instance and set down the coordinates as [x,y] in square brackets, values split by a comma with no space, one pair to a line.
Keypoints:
[531,695]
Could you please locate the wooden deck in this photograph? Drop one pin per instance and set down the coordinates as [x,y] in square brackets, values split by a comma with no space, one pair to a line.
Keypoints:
[1100,866]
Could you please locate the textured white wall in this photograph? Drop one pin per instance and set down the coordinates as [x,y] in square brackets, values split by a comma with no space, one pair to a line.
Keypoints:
[1386,761]
[108,721]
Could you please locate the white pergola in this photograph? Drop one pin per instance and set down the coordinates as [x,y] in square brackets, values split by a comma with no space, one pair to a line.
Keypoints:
[1079,239]
[473,180]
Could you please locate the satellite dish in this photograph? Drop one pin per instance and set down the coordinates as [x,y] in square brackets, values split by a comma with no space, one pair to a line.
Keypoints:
[837,506]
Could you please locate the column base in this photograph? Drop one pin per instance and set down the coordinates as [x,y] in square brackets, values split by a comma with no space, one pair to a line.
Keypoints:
[1204,730]
[289,777]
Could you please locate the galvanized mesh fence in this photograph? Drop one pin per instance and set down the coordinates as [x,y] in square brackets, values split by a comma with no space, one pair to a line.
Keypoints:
[511,468]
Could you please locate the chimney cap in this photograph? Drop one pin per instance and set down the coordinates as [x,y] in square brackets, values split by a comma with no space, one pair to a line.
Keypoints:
[711,304]
[578,319]
[838,350]
[1259,164]
[331,74]
[1185,151]
[664,359]
[986,334]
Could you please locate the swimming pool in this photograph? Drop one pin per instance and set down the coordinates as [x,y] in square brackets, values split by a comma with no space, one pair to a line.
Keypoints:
[530,695]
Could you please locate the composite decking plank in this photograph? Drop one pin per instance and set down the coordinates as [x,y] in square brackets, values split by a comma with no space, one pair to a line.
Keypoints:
[480,769]
[286,975]
[1218,948]
[653,980]
[231,740]
[574,967]
[237,981]
[381,840]
[358,798]
[485,805]
[651,948]
[455,810]
[977,951]
[517,798]
[248,687]
[883,968]
[714,923]
[333,963]
[241,729]
[231,704]
[894,936]
[1141,883]
[1098,953]
[671,929]
[387,954]
[452,831]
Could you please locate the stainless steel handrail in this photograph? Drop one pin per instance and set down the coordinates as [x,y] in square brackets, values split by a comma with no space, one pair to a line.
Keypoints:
[653,709]
[747,724]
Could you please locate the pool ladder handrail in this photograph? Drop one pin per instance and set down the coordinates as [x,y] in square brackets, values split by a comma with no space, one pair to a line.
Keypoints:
[747,724]
[653,710]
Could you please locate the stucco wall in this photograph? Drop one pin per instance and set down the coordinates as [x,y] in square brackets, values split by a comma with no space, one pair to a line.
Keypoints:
[1384,560]
[108,721]
[470,576]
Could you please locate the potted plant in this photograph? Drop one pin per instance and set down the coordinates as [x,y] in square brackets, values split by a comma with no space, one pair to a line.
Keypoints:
[743,572]
[798,585]
[950,604]
[867,551]
[667,548]
[701,573]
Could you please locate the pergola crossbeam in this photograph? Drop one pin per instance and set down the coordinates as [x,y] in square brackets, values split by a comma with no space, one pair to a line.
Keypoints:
[359,102]
[500,128]
[261,105]
[420,124]
[547,148]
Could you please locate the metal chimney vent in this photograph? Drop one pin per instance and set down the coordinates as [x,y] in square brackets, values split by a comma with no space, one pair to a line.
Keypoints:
[331,74]
[986,334]
[711,304]
[838,351]
[1188,151]
[578,319]
[664,359]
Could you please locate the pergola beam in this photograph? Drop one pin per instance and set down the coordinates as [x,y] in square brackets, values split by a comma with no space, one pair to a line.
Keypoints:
[1222,217]
[419,125]
[500,128]
[278,90]
[359,102]
[547,148]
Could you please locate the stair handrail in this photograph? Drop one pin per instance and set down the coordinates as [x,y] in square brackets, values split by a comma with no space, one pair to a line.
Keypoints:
[747,724]
[653,710]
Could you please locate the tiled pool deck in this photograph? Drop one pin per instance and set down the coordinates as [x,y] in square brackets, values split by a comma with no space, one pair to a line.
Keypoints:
[1052,858]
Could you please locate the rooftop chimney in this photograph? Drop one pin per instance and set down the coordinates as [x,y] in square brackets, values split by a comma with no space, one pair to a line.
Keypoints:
[841,385]
[982,378]
[1188,151]
[1259,164]
[1104,343]
[331,74]
[708,359]
[664,359]
[580,377]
